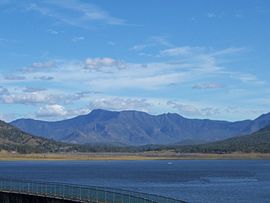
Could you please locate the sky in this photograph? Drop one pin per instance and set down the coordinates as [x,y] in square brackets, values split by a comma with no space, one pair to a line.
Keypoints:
[201,59]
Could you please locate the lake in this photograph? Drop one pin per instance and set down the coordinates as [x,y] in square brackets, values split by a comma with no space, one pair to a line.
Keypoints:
[191,180]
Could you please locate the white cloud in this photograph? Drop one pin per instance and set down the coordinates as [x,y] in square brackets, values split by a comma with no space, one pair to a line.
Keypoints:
[144,82]
[230,50]
[32,98]
[111,43]
[246,77]
[193,111]
[4,91]
[36,97]
[53,110]
[8,117]
[190,51]
[252,113]
[3,40]
[77,39]
[53,32]
[44,78]
[176,51]
[211,15]
[208,86]
[74,12]
[104,73]
[56,112]
[139,47]
[14,77]
[108,76]
[153,41]
[100,63]
[33,89]
[161,40]
[40,66]
[118,103]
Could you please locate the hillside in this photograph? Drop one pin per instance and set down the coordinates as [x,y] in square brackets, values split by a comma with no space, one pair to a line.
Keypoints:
[139,128]
[256,142]
[13,139]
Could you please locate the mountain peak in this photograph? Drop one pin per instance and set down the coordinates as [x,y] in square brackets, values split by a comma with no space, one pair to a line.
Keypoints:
[97,111]
[101,114]
[264,116]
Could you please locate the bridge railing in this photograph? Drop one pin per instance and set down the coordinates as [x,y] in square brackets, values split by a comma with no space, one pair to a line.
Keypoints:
[80,193]
[154,197]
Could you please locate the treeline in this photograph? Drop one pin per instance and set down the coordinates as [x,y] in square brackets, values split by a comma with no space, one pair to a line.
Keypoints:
[74,148]
[207,148]
[116,148]
[28,149]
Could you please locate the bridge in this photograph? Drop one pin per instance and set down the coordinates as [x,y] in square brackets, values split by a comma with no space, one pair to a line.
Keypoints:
[61,192]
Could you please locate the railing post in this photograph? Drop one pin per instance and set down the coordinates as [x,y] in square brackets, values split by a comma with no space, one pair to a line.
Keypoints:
[80,193]
[54,190]
[96,195]
[46,190]
[63,191]
[72,192]
[88,195]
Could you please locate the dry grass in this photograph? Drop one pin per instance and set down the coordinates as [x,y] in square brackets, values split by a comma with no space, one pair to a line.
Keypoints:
[165,155]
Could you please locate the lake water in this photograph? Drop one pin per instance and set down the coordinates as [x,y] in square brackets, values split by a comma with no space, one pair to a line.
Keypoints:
[193,181]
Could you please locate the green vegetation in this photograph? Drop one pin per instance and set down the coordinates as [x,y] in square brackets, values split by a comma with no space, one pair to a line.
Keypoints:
[256,142]
[13,139]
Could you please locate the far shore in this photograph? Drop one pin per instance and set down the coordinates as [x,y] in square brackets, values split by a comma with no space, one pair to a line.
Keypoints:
[165,155]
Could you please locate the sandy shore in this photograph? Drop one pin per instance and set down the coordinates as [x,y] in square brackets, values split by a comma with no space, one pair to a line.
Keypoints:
[131,156]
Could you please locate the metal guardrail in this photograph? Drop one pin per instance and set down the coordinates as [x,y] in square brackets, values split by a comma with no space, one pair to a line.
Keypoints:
[80,193]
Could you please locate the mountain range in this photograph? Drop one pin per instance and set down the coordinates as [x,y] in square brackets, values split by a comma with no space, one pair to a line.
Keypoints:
[139,128]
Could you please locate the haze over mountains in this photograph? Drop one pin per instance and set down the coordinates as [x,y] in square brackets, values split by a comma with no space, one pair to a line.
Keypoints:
[139,128]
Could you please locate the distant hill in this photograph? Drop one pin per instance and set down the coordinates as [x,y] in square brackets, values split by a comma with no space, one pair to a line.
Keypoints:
[13,139]
[139,128]
[256,142]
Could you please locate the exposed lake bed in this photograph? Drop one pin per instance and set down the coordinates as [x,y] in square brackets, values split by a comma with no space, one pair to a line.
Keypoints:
[151,155]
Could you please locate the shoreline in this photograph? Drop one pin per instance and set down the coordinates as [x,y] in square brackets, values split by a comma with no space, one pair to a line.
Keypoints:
[5,156]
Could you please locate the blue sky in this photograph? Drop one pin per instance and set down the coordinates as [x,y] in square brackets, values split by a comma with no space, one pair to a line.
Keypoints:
[200,59]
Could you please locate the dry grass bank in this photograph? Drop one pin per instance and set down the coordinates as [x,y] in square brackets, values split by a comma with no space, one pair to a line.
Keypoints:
[166,155]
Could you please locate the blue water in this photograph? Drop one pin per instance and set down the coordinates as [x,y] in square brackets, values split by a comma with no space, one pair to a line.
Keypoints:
[193,181]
